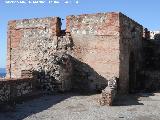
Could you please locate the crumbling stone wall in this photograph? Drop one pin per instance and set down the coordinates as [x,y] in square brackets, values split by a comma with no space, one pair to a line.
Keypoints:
[33,45]
[11,90]
[105,42]
[58,75]
[28,41]
[109,93]
[150,74]
[96,48]
[131,35]
[151,80]
[151,53]
[92,50]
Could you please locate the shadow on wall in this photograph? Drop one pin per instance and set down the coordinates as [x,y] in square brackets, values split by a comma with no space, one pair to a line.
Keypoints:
[73,75]
[151,56]
[64,73]
[84,81]
[85,78]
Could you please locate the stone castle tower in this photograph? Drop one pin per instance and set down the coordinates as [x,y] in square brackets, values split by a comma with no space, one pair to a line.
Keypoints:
[99,47]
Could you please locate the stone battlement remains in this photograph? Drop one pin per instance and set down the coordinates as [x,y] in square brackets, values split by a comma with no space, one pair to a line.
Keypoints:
[12,90]
[93,49]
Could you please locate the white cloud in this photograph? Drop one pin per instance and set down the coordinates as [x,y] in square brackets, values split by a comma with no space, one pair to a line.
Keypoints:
[66,2]
[77,2]
[56,2]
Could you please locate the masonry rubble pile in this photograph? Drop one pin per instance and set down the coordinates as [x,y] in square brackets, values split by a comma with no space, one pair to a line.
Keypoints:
[57,76]
[54,69]
[109,93]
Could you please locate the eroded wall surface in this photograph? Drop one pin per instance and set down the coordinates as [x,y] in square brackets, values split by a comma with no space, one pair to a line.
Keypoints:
[96,48]
[99,47]
[32,45]
[151,66]
[11,90]
[131,34]
[28,41]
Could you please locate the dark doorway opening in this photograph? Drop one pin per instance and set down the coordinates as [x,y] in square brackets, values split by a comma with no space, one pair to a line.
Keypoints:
[132,73]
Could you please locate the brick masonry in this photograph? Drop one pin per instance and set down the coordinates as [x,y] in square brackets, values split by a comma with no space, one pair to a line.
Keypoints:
[96,43]
[26,40]
[105,41]
[98,47]
[92,50]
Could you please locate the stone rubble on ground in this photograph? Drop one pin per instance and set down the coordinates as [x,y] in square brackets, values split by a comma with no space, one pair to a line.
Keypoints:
[109,93]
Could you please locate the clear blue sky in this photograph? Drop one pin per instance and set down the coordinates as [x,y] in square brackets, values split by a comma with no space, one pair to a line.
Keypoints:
[146,12]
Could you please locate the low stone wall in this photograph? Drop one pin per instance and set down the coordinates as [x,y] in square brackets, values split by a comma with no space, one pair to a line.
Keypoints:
[109,93]
[11,90]
[107,96]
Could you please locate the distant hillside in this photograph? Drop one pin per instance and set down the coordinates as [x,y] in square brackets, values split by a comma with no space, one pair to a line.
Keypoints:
[2,72]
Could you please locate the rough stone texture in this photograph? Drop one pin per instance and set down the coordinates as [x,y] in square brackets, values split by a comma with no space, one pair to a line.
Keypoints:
[94,24]
[109,93]
[27,74]
[93,49]
[58,75]
[151,53]
[131,34]
[96,47]
[151,80]
[107,96]
[107,45]
[10,90]
[32,45]
[150,73]
[28,41]
[4,92]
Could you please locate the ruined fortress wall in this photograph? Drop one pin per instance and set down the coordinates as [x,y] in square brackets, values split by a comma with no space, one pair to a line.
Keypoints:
[151,64]
[12,90]
[131,34]
[30,41]
[96,46]
[100,45]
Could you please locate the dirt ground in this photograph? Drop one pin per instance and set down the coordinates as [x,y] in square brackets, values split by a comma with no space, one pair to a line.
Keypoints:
[69,106]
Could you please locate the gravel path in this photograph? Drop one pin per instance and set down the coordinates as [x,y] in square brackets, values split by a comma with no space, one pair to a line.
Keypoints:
[81,107]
